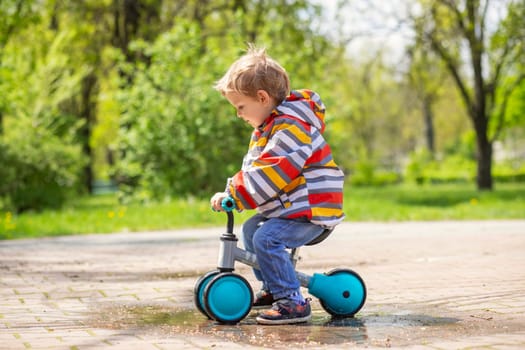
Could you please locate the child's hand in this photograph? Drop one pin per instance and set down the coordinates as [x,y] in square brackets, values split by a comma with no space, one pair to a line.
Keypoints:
[216,201]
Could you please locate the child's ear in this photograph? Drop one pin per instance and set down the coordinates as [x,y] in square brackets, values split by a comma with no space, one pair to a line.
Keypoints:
[263,96]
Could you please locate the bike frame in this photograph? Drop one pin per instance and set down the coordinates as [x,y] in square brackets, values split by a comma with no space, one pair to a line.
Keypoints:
[229,253]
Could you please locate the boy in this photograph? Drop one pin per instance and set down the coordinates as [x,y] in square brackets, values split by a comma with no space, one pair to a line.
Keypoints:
[288,175]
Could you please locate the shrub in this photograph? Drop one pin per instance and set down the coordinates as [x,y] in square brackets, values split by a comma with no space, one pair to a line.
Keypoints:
[422,168]
[366,174]
[415,168]
[179,136]
[507,172]
[38,170]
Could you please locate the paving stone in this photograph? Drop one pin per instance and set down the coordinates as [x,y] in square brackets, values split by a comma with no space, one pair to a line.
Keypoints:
[430,285]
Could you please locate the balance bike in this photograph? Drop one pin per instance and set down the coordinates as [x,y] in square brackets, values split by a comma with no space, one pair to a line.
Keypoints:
[227,297]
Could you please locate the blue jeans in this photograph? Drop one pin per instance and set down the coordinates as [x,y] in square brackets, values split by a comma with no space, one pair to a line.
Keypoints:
[269,242]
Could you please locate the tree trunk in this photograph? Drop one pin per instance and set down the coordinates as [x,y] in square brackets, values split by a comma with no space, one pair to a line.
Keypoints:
[479,107]
[484,160]
[126,18]
[88,108]
[428,119]
[483,149]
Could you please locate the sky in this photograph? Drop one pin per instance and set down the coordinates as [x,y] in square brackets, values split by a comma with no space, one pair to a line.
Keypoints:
[369,26]
[376,25]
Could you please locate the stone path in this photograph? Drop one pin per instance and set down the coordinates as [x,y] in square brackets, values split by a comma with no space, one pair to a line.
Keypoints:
[431,285]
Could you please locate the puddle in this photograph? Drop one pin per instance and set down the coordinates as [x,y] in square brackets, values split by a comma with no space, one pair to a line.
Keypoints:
[369,329]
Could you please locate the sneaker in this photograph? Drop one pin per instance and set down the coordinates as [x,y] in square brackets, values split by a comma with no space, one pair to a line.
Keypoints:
[286,311]
[263,299]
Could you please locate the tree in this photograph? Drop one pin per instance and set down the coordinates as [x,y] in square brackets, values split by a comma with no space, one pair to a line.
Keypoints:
[484,63]
[14,15]
[99,26]
[178,136]
[40,156]
[426,75]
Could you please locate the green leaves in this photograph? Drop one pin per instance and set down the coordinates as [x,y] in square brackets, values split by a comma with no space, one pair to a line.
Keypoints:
[39,170]
[176,132]
[125,91]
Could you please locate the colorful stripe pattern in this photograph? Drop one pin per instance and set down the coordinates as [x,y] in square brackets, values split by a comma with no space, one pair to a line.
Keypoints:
[289,171]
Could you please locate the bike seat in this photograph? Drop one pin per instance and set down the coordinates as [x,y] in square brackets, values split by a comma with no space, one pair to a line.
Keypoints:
[321,237]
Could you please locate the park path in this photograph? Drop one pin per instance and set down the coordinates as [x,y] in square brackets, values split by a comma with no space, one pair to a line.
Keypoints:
[431,285]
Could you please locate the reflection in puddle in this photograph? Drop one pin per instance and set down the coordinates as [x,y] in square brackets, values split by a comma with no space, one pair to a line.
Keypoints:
[322,329]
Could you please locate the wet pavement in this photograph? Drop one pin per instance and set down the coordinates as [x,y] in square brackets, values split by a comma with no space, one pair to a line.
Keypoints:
[430,285]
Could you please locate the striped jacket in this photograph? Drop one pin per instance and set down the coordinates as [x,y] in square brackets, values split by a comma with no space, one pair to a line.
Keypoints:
[289,171]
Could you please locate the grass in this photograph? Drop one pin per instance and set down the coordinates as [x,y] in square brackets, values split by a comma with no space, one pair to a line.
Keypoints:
[102,213]
[435,202]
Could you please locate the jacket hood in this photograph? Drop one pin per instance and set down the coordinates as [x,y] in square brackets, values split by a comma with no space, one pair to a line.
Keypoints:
[305,105]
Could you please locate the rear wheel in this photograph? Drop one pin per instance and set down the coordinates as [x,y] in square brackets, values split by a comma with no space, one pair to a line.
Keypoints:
[347,293]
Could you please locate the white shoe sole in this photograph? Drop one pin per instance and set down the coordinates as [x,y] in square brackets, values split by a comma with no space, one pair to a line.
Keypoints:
[266,321]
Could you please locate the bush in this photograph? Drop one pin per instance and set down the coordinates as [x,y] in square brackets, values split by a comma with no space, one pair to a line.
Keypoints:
[366,174]
[422,168]
[415,168]
[38,170]
[179,136]
[508,172]
[509,178]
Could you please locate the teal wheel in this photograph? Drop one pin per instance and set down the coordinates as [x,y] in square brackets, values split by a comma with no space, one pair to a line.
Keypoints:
[198,291]
[228,298]
[347,293]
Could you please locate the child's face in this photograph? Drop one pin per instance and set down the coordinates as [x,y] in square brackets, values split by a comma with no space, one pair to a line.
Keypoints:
[253,110]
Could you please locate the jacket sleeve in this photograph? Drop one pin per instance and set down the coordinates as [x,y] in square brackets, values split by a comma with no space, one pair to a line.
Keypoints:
[281,161]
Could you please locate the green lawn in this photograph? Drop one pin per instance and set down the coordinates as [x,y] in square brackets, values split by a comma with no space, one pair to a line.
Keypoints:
[435,202]
[102,213]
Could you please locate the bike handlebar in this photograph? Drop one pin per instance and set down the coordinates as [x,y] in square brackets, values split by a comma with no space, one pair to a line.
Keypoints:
[228,204]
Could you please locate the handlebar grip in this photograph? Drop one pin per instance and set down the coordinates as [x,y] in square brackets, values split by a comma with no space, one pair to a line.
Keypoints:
[228,204]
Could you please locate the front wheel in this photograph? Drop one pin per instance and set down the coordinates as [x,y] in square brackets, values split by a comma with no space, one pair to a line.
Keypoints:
[228,298]
[342,292]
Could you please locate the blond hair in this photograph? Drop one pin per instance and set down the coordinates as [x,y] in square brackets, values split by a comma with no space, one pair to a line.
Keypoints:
[255,71]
